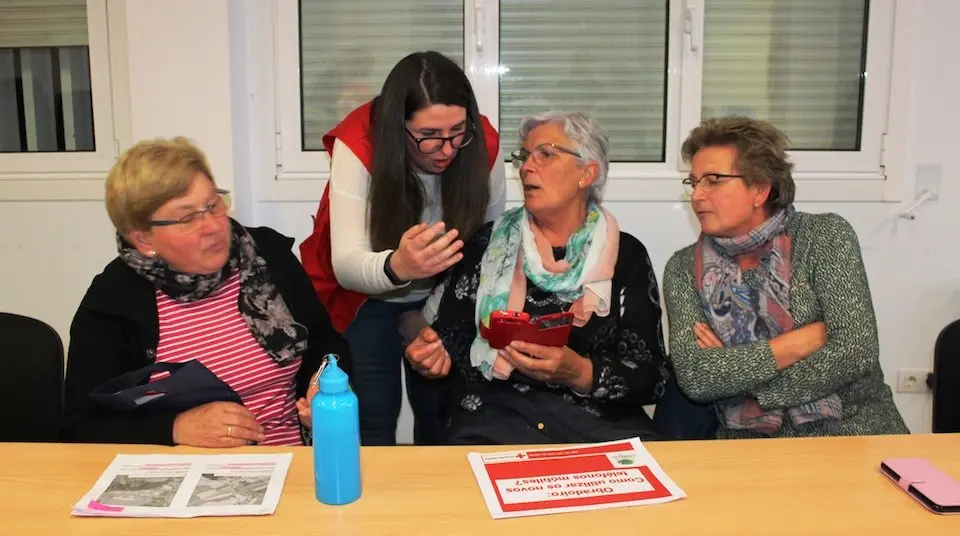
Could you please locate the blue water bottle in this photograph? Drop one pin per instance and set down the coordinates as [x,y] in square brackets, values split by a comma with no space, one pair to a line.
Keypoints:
[336,437]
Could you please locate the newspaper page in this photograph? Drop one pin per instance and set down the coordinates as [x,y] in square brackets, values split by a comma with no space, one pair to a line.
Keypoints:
[157,485]
[583,477]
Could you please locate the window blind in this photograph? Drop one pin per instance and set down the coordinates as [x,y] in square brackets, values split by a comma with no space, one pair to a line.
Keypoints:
[607,57]
[45,94]
[43,23]
[796,63]
[347,48]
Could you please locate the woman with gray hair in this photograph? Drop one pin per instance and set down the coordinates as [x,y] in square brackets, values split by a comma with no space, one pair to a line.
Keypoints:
[771,319]
[581,349]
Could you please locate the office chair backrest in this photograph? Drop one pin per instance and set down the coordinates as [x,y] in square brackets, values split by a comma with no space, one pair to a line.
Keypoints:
[31,379]
[946,380]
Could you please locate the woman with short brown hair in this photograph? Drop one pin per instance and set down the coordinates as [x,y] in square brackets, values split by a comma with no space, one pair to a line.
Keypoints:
[771,319]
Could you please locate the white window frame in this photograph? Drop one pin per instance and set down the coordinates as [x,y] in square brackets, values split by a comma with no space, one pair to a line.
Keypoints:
[293,163]
[863,164]
[874,173]
[79,175]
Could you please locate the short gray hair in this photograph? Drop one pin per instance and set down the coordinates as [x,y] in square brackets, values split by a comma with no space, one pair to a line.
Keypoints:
[589,138]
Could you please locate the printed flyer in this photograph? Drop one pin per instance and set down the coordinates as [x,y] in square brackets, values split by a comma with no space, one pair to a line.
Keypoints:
[583,477]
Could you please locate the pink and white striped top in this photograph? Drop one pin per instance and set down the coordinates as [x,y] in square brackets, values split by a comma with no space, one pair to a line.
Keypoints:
[212,331]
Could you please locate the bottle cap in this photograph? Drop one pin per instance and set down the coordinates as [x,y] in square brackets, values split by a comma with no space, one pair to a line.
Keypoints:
[332,379]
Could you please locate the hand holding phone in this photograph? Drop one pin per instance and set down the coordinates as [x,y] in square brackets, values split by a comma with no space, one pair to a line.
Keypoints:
[508,326]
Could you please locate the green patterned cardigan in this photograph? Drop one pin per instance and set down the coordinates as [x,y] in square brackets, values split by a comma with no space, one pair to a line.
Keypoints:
[828,283]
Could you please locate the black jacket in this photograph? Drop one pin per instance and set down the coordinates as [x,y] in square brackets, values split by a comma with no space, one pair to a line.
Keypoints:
[625,347]
[116,330]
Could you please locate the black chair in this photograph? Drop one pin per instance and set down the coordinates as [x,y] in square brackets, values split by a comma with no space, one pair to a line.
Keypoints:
[677,418]
[31,381]
[945,381]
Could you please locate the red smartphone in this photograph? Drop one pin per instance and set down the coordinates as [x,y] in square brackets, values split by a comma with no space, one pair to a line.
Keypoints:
[931,487]
[508,326]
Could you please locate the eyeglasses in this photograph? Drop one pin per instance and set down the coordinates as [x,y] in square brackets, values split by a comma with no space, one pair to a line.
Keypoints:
[708,182]
[432,144]
[542,154]
[192,222]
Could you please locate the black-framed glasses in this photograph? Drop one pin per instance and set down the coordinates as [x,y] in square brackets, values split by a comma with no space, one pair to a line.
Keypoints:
[542,154]
[192,222]
[708,182]
[432,144]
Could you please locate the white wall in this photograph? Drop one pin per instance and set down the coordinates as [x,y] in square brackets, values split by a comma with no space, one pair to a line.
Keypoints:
[189,75]
[49,251]
[179,70]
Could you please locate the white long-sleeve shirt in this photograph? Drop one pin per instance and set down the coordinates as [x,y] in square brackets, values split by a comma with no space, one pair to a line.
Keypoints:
[355,264]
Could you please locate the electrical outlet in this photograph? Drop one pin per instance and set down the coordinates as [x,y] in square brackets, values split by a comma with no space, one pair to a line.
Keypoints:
[912,381]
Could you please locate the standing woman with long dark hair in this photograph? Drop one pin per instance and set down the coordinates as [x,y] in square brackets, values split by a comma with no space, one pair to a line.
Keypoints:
[413,174]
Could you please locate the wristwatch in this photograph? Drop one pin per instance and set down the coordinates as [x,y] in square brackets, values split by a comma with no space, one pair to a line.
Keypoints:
[391,275]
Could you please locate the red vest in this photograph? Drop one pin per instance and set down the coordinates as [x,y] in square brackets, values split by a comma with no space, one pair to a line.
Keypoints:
[354,131]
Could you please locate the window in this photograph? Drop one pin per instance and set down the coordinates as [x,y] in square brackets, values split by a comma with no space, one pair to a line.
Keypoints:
[799,64]
[55,95]
[570,55]
[45,78]
[818,69]
[348,47]
[650,70]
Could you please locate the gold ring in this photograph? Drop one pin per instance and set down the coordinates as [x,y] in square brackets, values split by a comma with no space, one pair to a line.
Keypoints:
[229,429]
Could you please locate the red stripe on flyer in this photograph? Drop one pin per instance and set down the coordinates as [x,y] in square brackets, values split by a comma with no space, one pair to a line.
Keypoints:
[572,493]
[659,491]
[600,449]
[548,467]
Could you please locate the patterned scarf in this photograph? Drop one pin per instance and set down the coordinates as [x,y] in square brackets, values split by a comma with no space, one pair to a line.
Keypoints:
[518,250]
[740,313]
[261,305]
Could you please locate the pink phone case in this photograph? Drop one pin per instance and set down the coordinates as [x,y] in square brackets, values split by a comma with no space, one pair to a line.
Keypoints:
[931,487]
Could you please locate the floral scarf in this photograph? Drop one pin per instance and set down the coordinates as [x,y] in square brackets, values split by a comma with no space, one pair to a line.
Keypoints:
[261,305]
[518,250]
[740,313]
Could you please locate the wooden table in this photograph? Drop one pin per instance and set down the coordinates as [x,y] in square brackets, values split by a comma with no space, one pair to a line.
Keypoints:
[806,486]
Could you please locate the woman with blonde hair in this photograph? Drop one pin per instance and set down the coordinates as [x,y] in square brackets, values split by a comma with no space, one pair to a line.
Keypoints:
[201,332]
